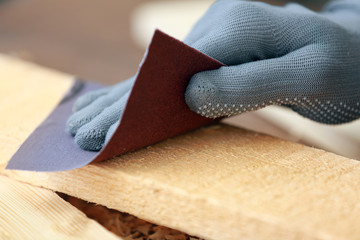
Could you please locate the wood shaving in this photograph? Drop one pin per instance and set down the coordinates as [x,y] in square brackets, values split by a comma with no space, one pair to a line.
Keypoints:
[125,225]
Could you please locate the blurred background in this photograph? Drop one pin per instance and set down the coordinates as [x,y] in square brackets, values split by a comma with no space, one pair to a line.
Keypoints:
[92,39]
[104,41]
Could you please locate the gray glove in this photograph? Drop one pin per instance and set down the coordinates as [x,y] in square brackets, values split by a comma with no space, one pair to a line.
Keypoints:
[97,114]
[275,55]
[288,56]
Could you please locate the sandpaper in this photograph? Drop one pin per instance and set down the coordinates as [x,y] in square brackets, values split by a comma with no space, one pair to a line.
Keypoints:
[156,110]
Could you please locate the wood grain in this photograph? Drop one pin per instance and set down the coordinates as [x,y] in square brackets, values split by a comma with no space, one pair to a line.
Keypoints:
[219,182]
[29,212]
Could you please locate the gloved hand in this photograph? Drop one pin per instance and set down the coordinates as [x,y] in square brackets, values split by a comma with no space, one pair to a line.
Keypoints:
[97,114]
[275,55]
[288,56]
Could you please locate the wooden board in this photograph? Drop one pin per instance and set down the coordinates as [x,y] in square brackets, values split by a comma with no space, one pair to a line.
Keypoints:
[28,212]
[219,182]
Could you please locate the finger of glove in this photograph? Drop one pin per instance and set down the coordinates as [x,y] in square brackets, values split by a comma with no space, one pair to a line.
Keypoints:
[231,90]
[86,114]
[89,97]
[91,136]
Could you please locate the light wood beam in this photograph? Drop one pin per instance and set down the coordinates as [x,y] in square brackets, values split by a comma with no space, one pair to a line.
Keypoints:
[219,182]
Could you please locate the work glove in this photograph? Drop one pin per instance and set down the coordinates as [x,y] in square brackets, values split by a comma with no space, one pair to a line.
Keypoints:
[97,114]
[287,55]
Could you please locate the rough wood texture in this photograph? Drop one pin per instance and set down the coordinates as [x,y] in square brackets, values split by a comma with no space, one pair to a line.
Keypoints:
[217,183]
[28,212]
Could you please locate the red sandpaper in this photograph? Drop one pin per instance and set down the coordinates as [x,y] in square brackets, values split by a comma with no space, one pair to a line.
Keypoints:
[156,110]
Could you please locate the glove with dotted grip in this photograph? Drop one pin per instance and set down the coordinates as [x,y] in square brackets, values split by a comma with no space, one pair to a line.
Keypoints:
[287,55]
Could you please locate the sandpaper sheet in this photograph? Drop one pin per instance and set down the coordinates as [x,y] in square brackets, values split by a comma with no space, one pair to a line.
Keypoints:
[156,110]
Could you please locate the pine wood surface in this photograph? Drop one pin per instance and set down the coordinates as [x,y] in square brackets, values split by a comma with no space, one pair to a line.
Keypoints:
[218,182]
[28,212]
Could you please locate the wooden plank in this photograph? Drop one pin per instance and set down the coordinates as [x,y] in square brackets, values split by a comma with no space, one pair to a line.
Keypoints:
[28,212]
[217,183]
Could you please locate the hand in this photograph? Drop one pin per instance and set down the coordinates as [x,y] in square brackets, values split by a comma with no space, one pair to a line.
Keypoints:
[288,56]
[96,115]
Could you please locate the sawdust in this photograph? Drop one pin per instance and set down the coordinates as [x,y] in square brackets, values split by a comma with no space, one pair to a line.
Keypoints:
[125,225]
